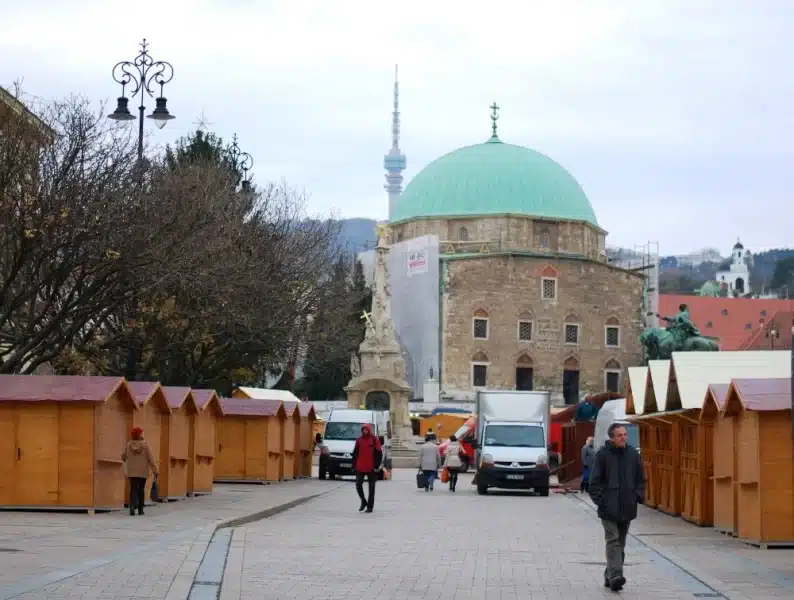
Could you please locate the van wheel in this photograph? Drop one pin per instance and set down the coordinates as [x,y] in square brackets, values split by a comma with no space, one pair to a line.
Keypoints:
[544,491]
[482,489]
[331,475]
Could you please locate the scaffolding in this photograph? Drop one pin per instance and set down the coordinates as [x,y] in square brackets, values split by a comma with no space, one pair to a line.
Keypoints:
[643,258]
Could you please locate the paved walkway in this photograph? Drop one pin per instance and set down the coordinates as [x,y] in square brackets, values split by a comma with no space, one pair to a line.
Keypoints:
[415,546]
[441,546]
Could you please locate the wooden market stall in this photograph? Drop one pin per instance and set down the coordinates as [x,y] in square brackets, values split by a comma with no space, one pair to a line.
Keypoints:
[202,443]
[723,509]
[290,451]
[250,440]
[61,440]
[153,410]
[764,460]
[308,417]
[176,443]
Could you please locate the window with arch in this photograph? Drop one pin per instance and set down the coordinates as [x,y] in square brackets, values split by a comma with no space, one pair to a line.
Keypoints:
[570,380]
[479,370]
[463,234]
[572,330]
[524,373]
[545,239]
[612,333]
[612,373]
[479,324]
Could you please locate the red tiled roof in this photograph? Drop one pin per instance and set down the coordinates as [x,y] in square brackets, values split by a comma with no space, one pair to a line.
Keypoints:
[306,409]
[246,407]
[176,396]
[763,394]
[142,390]
[57,388]
[732,320]
[202,397]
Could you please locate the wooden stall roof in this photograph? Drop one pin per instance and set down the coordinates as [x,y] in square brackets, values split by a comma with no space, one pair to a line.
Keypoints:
[656,387]
[244,407]
[62,388]
[713,401]
[144,391]
[290,408]
[635,392]
[567,414]
[768,394]
[307,410]
[692,372]
[268,394]
[177,396]
[203,398]
[666,416]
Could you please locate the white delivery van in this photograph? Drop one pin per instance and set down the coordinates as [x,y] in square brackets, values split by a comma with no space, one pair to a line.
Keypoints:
[614,411]
[512,440]
[342,428]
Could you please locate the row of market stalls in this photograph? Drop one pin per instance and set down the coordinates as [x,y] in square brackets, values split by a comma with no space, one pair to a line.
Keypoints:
[62,438]
[716,440]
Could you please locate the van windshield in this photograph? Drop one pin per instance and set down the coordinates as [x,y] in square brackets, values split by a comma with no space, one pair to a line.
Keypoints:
[515,436]
[342,431]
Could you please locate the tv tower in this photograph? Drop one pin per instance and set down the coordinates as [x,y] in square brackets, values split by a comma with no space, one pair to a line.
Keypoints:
[394,162]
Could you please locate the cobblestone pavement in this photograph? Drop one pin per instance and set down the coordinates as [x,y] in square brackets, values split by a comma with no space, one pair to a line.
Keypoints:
[441,546]
[46,556]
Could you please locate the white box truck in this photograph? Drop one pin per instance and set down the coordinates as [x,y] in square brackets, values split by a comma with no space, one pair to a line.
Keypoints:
[512,440]
[342,428]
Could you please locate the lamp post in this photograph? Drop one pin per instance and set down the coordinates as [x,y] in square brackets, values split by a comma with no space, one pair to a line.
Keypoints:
[772,333]
[140,77]
[241,162]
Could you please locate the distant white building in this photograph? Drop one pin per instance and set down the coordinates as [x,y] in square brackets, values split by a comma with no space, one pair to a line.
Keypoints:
[737,277]
[694,259]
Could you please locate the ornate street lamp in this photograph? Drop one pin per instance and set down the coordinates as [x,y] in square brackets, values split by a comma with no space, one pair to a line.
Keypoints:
[241,163]
[772,333]
[141,78]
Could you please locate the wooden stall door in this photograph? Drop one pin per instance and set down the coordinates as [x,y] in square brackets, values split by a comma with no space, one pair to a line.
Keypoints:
[275,448]
[748,497]
[256,449]
[8,455]
[776,478]
[37,468]
[231,449]
[724,506]
[191,455]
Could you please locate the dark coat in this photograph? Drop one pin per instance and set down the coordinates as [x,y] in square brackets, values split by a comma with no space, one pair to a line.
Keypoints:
[617,483]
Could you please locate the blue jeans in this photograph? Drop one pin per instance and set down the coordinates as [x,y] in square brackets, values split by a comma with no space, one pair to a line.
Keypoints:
[431,477]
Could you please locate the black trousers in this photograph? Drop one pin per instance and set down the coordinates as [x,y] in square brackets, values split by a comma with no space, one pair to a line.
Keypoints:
[453,477]
[137,494]
[371,478]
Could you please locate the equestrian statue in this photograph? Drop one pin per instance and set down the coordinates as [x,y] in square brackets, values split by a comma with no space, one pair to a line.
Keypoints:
[680,335]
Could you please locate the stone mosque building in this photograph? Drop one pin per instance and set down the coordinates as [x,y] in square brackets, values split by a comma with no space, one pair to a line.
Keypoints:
[525,297]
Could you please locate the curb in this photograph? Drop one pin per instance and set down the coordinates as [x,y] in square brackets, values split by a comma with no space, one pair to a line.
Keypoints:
[184,579]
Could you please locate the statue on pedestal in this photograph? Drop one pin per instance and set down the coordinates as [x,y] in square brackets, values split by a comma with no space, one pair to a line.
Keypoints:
[680,335]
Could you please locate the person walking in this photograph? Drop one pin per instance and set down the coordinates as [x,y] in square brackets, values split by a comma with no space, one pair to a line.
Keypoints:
[429,460]
[452,461]
[617,485]
[588,454]
[367,460]
[138,459]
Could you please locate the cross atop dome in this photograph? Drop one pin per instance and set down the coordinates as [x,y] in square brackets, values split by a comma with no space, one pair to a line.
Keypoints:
[494,119]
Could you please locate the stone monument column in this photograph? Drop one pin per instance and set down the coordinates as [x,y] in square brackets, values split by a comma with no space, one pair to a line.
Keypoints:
[382,365]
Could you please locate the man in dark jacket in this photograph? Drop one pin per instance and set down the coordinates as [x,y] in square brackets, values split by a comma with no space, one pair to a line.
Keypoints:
[617,485]
[367,459]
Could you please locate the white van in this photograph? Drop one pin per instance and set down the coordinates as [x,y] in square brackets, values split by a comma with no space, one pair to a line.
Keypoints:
[342,428]
[614,411]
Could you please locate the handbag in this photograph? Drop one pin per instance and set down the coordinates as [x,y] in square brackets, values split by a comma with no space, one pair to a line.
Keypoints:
[421,480]
[154,493]
[444,475]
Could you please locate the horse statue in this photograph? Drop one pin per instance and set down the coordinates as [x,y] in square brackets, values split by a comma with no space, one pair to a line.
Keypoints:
[680,335]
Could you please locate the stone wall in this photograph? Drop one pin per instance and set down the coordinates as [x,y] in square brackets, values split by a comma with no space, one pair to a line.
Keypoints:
[508,289]
[507,232]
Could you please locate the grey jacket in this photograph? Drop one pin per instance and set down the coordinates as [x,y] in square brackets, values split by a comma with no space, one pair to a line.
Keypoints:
[588,454]
[429,460]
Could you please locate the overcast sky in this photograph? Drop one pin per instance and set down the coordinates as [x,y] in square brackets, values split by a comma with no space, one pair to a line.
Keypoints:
[674,115]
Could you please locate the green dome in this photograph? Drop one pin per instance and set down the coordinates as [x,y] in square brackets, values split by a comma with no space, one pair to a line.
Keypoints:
[491,179]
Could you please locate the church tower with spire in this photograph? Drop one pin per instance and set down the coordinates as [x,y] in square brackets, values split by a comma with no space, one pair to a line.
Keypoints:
[394,162]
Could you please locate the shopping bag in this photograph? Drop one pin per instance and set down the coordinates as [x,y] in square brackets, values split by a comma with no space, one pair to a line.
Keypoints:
[444,475]
[386,475]
[154,493]
[421,480]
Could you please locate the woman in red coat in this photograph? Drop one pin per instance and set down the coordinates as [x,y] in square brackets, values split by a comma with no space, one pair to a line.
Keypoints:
[367,459]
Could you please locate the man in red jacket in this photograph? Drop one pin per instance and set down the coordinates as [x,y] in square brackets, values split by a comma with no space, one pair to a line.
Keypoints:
[367,458]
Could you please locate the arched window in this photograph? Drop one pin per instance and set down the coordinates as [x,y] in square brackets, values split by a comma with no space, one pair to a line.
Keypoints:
[463,234]
[545,239]
[479,324]
[479,370]
[572,330]
[612,333]
[524,373]
[612,372]
[570,380]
